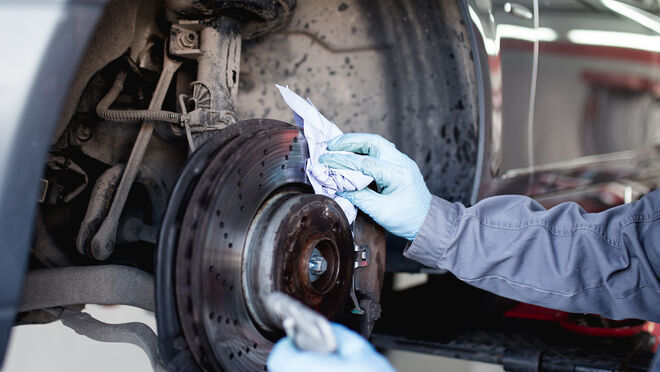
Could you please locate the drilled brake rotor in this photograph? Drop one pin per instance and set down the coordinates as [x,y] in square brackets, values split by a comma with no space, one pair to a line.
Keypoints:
[248,225]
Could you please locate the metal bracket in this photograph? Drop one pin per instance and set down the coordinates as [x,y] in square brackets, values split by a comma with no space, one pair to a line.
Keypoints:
[186,122]
[361,260]
[138,334]
[361,256]
[184,39]
[43,185]
[357,310]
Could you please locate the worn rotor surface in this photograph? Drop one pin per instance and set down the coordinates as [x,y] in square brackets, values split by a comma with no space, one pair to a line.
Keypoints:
[244,226]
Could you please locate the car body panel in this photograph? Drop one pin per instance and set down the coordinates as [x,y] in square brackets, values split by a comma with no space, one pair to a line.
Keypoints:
[507,75]
[46,42]
[594,84]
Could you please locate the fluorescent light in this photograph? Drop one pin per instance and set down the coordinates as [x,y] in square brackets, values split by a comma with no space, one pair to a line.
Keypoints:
[615,39]
[645,19]
[526,33]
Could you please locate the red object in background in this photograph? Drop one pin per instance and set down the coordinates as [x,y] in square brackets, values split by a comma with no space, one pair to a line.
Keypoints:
[586,324]
[533,312]
[654,329]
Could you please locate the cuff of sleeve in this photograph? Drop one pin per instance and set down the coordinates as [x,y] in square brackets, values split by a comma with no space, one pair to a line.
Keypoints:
[436,233]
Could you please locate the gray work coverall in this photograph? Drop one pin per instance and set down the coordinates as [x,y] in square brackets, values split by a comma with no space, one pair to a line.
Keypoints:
[563,258]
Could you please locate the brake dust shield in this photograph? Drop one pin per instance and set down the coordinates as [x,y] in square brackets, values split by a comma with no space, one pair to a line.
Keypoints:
[242,222]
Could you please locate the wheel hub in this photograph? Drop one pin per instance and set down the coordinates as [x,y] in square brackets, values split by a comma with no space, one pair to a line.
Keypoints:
[292,231]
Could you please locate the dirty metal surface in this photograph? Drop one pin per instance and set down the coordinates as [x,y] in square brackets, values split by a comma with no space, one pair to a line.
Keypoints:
[256,16]
[401,69]
[280,245]
[369,279]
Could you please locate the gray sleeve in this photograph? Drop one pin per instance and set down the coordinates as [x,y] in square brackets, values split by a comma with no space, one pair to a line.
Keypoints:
[563,258]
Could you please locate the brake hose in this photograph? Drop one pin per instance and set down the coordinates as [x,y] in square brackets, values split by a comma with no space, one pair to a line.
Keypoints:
[103,108]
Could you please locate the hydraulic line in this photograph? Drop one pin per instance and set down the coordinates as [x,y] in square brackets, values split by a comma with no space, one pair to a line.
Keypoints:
[103,108]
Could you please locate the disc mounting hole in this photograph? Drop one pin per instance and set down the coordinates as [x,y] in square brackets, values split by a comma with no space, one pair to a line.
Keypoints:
[231,245]
[225,235]
[211,315]
[222,224]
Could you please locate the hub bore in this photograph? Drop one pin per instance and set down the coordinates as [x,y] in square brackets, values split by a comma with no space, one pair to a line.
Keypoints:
[290,233]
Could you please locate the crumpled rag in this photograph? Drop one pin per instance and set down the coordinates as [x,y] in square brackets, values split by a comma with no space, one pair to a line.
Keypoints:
[318,131]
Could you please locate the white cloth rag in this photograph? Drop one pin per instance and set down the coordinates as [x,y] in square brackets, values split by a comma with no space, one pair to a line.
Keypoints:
[318,131]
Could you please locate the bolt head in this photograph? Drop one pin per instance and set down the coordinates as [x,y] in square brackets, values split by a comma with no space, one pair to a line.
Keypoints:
[83,132]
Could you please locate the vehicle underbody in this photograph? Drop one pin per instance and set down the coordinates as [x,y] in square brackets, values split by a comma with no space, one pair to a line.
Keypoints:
[173,167]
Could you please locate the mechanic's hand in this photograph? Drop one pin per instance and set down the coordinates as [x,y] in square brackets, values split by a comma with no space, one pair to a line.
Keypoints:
[354,354]
[404,199]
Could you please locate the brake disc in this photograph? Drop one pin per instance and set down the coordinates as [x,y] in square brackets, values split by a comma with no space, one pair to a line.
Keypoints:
[241,223]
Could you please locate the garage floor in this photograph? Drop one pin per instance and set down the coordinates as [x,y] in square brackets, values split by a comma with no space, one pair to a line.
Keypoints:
[53,347]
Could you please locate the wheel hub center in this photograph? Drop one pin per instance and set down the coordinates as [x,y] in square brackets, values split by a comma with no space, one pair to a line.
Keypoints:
[299,244]
[317,265]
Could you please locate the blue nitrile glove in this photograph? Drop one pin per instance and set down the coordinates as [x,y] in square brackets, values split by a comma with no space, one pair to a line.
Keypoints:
[354,354]
[404,199]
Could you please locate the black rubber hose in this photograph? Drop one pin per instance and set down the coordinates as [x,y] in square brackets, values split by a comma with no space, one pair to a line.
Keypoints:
[100,284]
[103,108]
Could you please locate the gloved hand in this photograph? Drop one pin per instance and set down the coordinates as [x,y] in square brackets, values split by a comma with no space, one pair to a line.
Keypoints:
[354,354]
[404,199]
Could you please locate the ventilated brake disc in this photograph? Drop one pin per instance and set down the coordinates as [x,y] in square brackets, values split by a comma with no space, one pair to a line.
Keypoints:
[242,222]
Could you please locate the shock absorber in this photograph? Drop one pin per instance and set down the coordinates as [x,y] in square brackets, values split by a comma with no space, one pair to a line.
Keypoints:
[211,33]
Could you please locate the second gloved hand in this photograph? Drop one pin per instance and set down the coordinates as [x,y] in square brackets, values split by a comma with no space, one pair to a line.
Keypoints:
[404,200]
[354,354]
